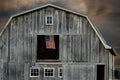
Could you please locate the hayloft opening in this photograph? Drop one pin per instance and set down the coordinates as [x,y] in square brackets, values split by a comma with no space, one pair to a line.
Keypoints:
[47,47]
[100,72]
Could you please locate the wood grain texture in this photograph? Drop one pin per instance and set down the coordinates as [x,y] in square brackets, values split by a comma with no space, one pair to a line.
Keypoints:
[78,43]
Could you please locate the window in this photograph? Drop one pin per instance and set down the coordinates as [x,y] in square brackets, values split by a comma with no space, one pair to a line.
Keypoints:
[49,72]
[60,72]
[49,20]
[47,47]
[34,72]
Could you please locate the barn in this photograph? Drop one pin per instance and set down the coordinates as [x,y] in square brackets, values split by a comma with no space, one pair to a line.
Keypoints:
[54,43]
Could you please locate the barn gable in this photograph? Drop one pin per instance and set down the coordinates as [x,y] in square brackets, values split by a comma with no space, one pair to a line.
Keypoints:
[53,43]
[72,12]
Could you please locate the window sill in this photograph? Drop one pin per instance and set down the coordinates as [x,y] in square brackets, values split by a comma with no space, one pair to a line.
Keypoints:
[34,76]
[46,60]
[49,24]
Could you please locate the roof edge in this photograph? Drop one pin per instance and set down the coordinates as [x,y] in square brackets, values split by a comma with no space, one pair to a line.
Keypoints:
[46,5]
[98,34]
[6,25]
[61,8]
[113,51]
[25,12]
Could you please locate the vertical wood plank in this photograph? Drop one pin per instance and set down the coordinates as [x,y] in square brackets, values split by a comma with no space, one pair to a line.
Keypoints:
[78,43]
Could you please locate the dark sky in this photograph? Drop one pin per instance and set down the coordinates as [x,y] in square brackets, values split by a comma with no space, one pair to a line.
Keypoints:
[105,14]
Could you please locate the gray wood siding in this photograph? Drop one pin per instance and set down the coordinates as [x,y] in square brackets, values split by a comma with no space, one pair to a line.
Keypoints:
[77,43]
[79,72]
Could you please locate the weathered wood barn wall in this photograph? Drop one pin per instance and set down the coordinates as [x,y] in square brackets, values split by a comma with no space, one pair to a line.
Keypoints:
[81,47]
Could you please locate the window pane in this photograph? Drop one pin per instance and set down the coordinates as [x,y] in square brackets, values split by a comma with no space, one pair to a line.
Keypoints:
[49,74]
[32,74]
[35,70]
[51,70]
[60,70]
[47,17]
[32,70]
[36,74]
[46,74]
[50,17]
[60,74]
[47,22]
[46,70]
[50,21]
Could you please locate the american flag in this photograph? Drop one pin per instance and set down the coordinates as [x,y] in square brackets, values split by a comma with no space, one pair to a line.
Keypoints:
[50,42]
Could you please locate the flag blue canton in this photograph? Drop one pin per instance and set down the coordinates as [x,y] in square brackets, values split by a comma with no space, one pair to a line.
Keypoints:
[47,38]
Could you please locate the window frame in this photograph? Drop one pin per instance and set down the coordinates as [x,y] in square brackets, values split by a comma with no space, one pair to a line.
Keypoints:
[46,19]
[49,68]
[60,72]
[38,71]
[57,45]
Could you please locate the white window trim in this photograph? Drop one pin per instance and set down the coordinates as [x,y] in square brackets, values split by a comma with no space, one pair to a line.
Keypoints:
[49,68]
[38,71]
[59,72]
[46,19]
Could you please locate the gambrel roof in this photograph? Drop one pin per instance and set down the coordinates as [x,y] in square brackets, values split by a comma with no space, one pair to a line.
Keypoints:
[70,11]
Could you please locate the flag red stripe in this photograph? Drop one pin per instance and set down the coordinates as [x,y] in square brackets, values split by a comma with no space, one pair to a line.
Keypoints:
[50,44]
